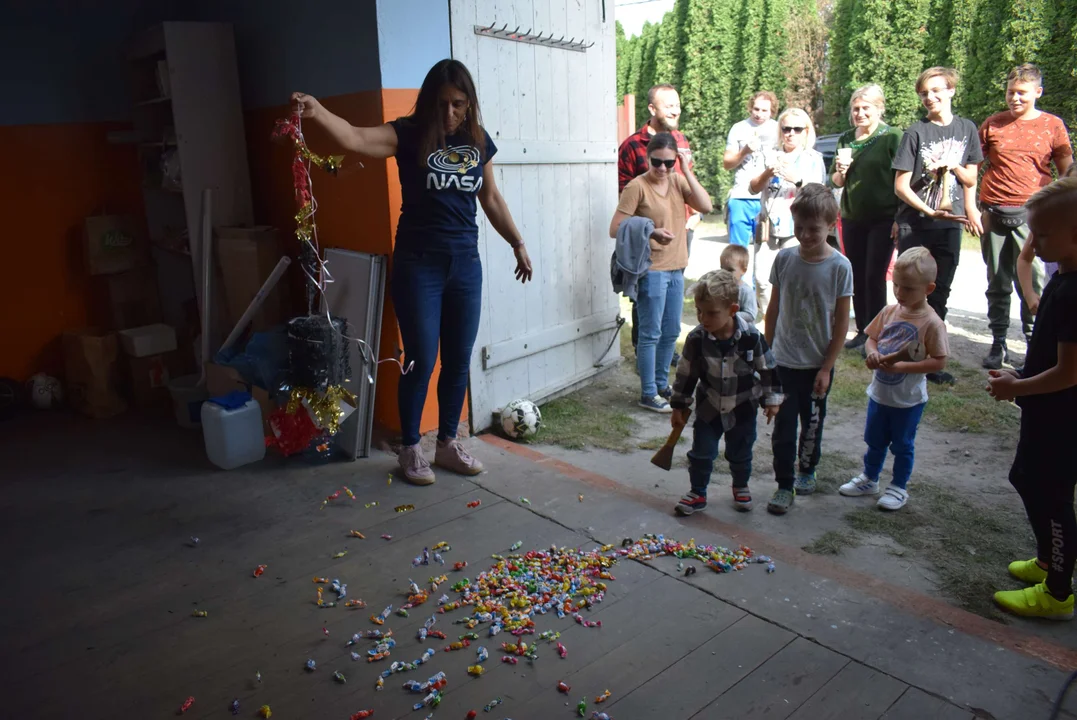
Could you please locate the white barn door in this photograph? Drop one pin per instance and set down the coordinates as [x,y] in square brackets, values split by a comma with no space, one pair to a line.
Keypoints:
[551,112]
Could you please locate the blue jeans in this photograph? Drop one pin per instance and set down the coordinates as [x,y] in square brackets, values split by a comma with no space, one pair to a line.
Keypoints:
[742,218]
[659,303]
[895,428]
[437,297]
[738,451]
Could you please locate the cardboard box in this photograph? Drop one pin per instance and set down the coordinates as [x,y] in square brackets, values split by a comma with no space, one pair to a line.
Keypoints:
[221,380]
[148,340]
[147,380]
[133,298]
[112,244]
[90,357]
[246,257]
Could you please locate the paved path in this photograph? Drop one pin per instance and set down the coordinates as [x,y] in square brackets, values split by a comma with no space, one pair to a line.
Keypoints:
[101,585]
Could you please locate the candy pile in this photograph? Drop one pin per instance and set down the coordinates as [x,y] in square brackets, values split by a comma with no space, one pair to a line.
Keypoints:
[717,558]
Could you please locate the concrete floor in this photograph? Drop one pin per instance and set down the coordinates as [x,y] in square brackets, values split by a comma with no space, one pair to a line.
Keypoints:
[101,583]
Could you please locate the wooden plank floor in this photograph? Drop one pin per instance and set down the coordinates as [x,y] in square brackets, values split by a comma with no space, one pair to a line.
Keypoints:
[96,621]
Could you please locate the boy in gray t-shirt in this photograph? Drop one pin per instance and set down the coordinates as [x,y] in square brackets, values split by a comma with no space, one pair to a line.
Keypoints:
[806,323]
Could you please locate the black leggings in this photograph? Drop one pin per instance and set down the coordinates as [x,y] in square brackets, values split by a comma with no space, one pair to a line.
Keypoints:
[869,247]
[1044,474]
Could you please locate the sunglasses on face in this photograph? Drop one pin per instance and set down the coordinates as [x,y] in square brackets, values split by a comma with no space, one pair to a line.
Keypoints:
[657,163]
[797,130]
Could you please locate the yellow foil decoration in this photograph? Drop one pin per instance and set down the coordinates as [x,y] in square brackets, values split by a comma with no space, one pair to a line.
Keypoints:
[324,407]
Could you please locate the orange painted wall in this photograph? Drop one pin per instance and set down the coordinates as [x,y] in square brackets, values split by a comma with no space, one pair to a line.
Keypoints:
[55,176]
[357,210]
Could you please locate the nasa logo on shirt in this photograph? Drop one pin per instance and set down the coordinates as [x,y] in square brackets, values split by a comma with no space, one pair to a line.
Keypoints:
[451,167]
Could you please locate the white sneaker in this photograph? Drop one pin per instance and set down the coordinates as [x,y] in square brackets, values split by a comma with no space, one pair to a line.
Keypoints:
[859,486]
[893,499]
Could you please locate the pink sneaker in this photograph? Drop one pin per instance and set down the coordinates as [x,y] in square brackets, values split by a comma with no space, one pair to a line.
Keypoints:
[416,469]
[452,456]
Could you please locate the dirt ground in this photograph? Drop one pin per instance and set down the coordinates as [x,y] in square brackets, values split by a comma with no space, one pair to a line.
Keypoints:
[964,521]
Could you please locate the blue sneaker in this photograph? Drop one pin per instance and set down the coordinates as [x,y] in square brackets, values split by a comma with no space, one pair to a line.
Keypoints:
[656,404]
[804,483]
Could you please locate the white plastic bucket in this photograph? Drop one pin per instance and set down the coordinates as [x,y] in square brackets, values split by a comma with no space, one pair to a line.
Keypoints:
[187,399]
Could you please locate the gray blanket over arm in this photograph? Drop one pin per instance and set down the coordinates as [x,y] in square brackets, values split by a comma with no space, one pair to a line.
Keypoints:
[631,255]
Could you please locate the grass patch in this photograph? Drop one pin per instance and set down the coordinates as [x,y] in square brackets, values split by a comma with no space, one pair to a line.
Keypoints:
[834,469]
[576,425]
[964,406]
[968,546]
[832,542]
[657,442]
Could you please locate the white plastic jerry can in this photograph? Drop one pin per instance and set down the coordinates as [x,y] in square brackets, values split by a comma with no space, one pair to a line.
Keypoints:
[232,430]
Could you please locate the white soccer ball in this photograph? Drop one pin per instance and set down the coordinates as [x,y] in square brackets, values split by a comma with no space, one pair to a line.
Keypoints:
[521,419]
[46,392]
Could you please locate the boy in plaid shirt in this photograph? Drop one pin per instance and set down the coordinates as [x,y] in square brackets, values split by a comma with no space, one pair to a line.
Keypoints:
[729,360]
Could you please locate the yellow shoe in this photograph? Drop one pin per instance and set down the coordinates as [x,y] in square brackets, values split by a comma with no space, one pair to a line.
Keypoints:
[1028,571]
[1035,602]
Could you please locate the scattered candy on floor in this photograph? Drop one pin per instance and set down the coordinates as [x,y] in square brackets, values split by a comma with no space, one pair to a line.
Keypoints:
[265,712]
[186,705]
[259,570]
[234,707]
[357,534]
[200,613]
[474,503]
[340,554]
[404,508]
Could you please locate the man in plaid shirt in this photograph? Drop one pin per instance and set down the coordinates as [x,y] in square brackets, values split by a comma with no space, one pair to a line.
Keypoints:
[730,361]
[665,106]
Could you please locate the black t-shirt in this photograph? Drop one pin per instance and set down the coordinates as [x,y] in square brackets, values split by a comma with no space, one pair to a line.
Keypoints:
[1056,322]
[439,197]
[923,143]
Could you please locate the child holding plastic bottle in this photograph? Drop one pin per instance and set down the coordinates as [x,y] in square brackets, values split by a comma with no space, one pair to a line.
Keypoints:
[727,363]
[806,323]
[905,342]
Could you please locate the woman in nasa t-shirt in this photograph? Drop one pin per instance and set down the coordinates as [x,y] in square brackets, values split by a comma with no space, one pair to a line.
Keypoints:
[444,157]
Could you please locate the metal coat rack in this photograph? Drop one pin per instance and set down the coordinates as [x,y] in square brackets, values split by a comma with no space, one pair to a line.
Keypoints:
[503,33]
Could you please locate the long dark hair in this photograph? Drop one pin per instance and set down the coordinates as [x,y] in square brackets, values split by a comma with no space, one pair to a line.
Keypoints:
[428,117]
[661,141]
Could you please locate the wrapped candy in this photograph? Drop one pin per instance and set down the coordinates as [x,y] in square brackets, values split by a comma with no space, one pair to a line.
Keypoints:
[362,714]
[386,536]
[259,570]
[355,604]
[421,634]
[474,503]
[596,715]
[348,492]
[510,660]
[404,508]
[492,704]
[459,565]
[564,687]
[436,634]
[234,707]
[339,677]
[471,715]
[340,554]
[379,684]
[265,712]
[438,559]
[310,665]
[581,707]
[483,654]
[475,670]
[200,613]
[458,645]
[357,534]
[321,580]
[516,545]
[562,651]
[469,636]
[442,545]
[602,698]
[380,619]
[186,705]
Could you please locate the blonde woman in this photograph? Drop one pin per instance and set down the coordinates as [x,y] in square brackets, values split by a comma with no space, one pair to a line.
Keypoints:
[794,163]
[862,167]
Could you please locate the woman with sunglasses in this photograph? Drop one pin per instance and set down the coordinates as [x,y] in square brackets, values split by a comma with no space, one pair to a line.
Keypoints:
[863,167]
[660,195]
[795,163]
